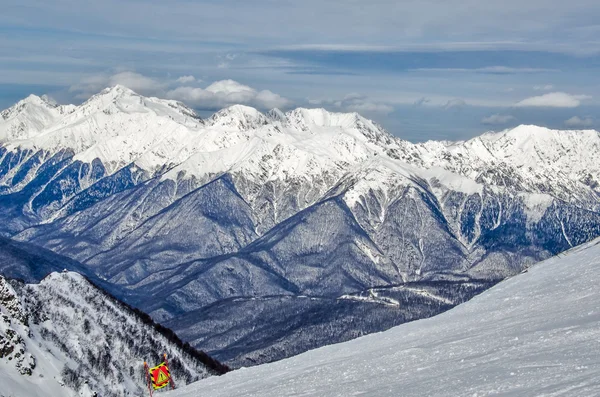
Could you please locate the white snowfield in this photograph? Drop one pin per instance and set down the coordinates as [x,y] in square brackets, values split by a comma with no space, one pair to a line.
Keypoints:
[537,334]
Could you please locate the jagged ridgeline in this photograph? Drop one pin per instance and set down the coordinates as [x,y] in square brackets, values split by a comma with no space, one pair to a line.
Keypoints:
[318,221]
[67,335]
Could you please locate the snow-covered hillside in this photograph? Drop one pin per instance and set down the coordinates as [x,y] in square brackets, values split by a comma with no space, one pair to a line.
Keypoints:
[65,337]
[246,210]
[537,334]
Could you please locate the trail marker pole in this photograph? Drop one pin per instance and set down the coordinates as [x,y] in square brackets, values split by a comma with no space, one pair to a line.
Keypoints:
[171,375]
[147,371]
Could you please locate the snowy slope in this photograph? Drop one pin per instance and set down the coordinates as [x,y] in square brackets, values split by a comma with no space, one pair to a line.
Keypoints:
[536,334]
[64,336]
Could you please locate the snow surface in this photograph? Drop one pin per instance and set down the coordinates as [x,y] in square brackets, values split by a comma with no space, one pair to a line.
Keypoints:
[45,379]
[64,326]
[537,334]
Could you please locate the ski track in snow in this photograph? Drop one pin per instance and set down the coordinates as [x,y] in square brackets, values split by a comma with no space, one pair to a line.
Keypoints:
[537,334]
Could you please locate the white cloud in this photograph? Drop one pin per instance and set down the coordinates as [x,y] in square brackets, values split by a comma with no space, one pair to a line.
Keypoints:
[577,121]
[228,87]
[228,92]
[547,87]
[186,79]
[354,102]
[271,100]
[497,119]
[554,100]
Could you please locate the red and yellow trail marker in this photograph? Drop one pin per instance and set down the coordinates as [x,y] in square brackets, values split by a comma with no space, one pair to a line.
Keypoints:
[159,376]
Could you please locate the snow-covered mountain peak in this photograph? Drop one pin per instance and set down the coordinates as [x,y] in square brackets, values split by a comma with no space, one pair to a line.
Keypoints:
[538,154]
[528,136]
[313,119]
[238,117]
[538,148]
[116,91]
[118,95]
[120,99]
[276,115]
[23,106]
[321,118]
[116,126]
[29,116]
[60,278]
[33,99]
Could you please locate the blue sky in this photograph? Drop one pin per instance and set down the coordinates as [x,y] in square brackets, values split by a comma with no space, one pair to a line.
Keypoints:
[426,69]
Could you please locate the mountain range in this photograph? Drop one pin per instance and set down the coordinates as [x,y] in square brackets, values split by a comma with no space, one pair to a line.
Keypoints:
[258,236]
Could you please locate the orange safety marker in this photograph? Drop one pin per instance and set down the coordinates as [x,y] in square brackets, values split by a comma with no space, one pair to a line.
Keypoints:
[159,376]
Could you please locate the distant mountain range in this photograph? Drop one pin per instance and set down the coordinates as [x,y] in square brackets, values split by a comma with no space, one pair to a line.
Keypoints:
[258,236]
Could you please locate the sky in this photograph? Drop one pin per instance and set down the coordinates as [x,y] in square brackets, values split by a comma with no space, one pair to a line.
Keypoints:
[424,69]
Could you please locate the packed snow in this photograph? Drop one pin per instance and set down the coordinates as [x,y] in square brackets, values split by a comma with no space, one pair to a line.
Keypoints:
[536,334]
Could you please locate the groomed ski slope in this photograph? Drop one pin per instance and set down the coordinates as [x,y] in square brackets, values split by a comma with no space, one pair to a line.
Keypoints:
[537,334]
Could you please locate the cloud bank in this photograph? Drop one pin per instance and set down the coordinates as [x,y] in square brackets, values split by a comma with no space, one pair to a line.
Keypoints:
[354,103]
[228,92]
[497,119]
[578,122]
[554,100]
[186,79]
